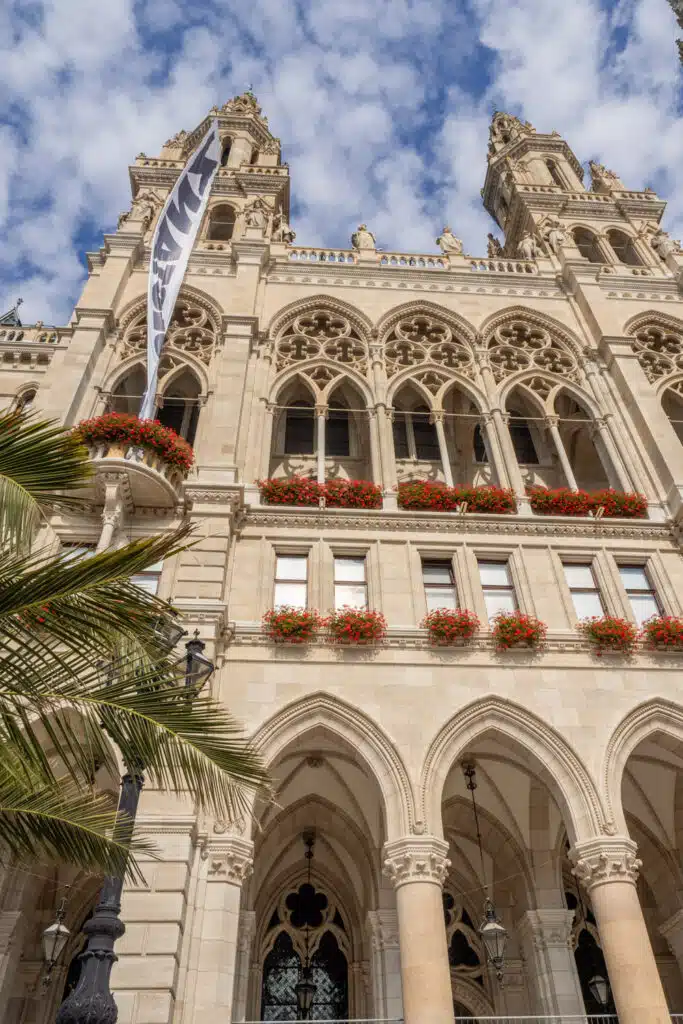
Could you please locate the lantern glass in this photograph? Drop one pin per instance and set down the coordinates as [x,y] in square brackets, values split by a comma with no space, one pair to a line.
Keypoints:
[599,989]
[55,938]
[494,936]
[305,994]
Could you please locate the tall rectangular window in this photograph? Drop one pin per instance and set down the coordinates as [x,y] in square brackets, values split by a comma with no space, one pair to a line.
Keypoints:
[439,584]
[149,578]
[641,593]
[584,589]
[496,583]
[350,584]
[291,581]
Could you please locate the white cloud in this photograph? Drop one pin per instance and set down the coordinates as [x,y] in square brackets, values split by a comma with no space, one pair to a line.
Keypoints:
[382,106]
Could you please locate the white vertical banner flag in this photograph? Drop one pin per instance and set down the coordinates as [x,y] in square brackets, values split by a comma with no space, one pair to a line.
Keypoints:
[174,237]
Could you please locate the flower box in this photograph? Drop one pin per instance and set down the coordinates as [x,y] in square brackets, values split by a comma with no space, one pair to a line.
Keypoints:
[609,633]
[663,632]
[515,629]
[450,628]
[430,496]
[356,626]
[561,501]
[121,431]
[289,625]
[337,493]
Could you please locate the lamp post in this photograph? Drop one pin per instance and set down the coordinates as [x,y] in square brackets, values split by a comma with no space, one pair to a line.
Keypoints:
[305,989]
[55,938]
[91,1001]
[492,933]
[600,990]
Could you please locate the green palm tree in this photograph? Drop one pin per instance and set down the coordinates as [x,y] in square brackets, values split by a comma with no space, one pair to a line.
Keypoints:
[82,647]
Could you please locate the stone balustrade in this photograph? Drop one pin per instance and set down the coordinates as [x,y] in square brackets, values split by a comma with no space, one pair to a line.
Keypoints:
[323,255]
[416,261]
[503,266]
[150,481]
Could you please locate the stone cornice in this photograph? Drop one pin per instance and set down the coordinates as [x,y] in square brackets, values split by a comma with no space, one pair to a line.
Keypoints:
[474,524]
[230,858]
[605,859]
[416,859]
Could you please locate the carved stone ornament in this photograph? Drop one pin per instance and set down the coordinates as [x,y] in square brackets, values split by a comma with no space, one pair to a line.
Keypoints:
[191,330]
[528,247]
[604,180]
[494,246]
[448,243]
[321,334]
[230,860]
[362,238]
[506,128]
[177,141]
[659,351]
[383,928]
[605,859]
[424,338]
[518,345]
[416,859]
[245,104]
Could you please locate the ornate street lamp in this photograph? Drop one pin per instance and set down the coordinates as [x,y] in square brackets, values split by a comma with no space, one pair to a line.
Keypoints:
[492,933]
[91,1001]
[600,990]
[305,989]
[55,938]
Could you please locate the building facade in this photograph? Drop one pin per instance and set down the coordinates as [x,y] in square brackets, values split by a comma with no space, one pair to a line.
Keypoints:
[556,360]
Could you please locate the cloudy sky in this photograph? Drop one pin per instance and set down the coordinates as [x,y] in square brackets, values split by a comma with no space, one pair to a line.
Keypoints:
[382,107]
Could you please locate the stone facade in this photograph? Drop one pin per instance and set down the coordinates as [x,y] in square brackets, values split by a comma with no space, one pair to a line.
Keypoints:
[557,360]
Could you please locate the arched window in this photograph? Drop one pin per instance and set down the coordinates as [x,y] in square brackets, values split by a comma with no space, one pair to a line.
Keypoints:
[25,400]
[480,453]
[300,428]
[227,146]
[127,395]
[624,248]
[337,434]
[588,462]
[179,407]
[221,223]
[554,173]
[415,436]
[587,245]
[254,156]
[672,403]
[522,441]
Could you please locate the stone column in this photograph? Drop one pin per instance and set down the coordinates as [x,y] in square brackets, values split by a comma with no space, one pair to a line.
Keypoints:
[561,452]
[245,940]
[546,939]
[507,469]
[608,868]
[386,965]
[227,864]
[417,866]
[609,456]
[320,417]
[437,419]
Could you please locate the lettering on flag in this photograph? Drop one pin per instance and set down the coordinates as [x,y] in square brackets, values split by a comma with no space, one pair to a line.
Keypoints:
[174,237]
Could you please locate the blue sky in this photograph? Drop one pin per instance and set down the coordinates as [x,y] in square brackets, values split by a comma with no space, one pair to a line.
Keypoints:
[382,107]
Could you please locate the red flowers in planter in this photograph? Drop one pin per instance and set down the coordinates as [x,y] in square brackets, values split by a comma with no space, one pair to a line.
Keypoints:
[609,633]
[663,631]
[447,627]
[515,629]
[356,626]
[427,495]
[561,501]
[290,625]
[302,490]
[125,429]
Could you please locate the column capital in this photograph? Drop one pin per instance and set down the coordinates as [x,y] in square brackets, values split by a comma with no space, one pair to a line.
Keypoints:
[230,859]
[605,859]
[416,859]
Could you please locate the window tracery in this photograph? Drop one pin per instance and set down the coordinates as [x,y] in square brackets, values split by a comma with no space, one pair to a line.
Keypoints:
[191,330]
[518,345]
[659,351]
[321,334]
[464,946]
[421,338]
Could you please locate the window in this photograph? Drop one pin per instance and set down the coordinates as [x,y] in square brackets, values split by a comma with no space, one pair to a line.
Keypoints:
[623,248]
[299,429]
[350,586]
[25,400]
[291,581]
[584,589]
[641,593]
[480,453]
[439,584]
[226,152]
[148,579]
[554,173]
[337,441]
[415,437]
[496,583]
[221,223]
[400,430]
[587,245]
[254,156]
[523,442]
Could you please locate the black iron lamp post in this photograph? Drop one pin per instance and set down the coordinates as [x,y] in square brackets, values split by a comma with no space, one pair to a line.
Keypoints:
[492,933]
[91,1001]
[305,989]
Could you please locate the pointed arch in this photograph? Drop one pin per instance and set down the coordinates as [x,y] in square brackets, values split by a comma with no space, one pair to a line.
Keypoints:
[304,370]
[461,327]
[655,318]
[537,319]
[135,306]
[358,729]
[294,309]
[561,768]
[653,716]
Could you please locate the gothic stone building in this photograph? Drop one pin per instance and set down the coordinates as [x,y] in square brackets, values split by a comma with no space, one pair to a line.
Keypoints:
[555,360]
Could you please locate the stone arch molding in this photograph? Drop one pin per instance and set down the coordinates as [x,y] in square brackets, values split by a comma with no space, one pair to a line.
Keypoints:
[653,716]
[565,774]
[461,327]
[352,725]
[302,306]
[178,360]
[322,379]
[544,388]
[434,396]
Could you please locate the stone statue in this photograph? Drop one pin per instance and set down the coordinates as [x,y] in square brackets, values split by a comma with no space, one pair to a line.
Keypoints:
[663,244]
[448,243]
[177,141]
[528,248]
[144,208]
[282,232]
[256,214]
[554,234]
[123,217]
[604,180]
[362,238]
[494,247]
